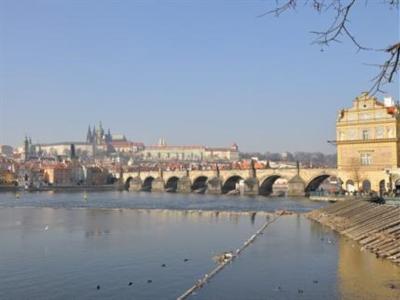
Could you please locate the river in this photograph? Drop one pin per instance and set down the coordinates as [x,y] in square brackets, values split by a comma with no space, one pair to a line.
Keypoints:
[155,246]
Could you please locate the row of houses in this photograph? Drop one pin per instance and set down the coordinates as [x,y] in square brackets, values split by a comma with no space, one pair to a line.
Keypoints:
[66,173]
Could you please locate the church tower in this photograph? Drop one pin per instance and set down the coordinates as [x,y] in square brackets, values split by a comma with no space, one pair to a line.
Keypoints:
[100,133]
[89,136]
[26,149]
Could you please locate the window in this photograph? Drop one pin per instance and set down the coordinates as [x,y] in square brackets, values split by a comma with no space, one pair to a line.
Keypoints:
[366,159]
[352,134]
[365,134]
[380,115]
[390,132]
[380,132]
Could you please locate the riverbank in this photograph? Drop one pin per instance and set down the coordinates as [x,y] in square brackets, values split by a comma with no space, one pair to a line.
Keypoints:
[333,198]
[375,227]
[8,188]
[72,188]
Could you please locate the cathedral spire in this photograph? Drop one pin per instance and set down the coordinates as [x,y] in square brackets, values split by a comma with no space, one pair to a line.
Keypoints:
[101,130]
[89,135]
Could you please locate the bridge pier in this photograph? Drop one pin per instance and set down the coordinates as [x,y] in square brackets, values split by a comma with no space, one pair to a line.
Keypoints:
[251,187]
[158,185]
[214,186]
[135,184]
[296,187]
[184,185]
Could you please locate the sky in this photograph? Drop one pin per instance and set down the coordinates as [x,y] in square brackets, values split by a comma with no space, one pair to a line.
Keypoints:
[205,72]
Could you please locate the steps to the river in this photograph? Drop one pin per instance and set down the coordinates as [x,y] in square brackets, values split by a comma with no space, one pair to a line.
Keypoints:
[374,226]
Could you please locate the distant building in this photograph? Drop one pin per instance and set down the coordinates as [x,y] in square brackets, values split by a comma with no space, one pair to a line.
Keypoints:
[64,149]
[98,142]
[196,153]
[58,174]
[367,141]
[96,176]
[6,150]
[126,147]
[7,177]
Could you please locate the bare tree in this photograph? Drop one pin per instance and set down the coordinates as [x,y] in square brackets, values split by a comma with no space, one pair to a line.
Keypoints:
[355,166]
[339,29]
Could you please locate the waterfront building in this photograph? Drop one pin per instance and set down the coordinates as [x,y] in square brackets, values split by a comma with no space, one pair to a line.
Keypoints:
[59,174]
[196,153]
[95,175]
[368,143]
[30,174]
[7,177]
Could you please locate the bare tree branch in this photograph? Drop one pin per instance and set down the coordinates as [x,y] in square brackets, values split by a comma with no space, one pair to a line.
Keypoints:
[339,29]
[388,69]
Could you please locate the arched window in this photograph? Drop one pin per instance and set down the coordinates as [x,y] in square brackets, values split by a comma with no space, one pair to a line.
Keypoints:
[366,186]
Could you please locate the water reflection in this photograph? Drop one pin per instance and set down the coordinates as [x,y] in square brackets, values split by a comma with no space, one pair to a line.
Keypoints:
[362,276]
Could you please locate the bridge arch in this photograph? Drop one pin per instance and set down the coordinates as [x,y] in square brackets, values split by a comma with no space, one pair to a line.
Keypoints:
[128,182]
[231,184]
[199,183]
[267,183]
[315,183]
[147,184]
[172,184]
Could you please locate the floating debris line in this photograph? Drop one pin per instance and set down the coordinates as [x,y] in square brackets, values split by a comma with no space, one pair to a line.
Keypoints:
[229,259]
[374,226]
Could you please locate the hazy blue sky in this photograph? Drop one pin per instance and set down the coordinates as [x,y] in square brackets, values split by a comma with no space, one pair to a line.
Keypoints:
[195,72]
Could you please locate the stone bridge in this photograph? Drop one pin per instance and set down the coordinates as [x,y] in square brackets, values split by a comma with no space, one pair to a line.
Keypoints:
[248,182]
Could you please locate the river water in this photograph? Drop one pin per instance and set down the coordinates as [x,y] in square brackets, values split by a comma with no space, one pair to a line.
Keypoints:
[62,246]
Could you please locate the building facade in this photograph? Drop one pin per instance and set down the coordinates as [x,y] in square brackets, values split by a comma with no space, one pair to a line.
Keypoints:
[367,138]
[195,153]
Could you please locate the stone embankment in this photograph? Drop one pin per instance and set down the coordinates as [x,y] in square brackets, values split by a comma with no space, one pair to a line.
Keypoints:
[375,227]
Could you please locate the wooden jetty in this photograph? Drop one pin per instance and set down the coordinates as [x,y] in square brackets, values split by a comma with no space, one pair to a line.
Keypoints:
[375,227]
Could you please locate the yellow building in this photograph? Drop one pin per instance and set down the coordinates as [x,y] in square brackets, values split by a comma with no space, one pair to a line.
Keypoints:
[368,143]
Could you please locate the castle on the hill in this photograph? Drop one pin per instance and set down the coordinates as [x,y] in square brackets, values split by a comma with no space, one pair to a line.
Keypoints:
[98,136]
